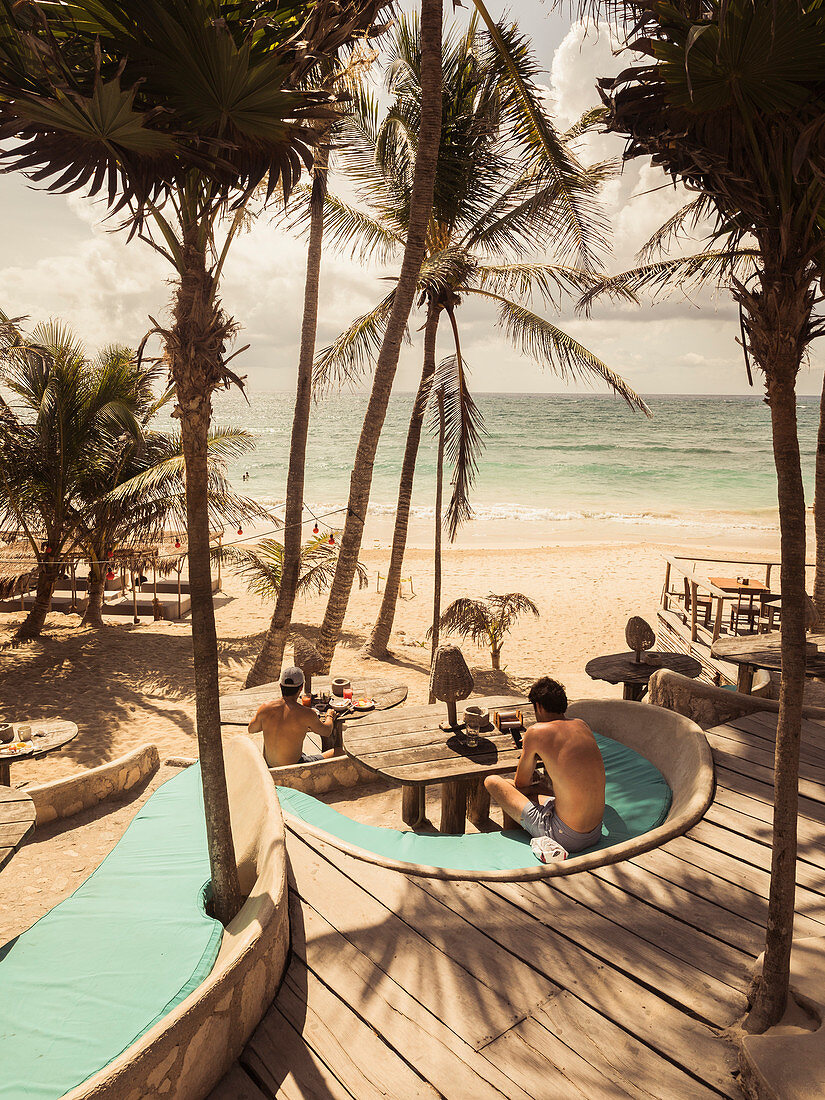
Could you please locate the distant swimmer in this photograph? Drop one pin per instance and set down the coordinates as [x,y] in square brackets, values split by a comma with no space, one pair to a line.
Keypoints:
[285,723]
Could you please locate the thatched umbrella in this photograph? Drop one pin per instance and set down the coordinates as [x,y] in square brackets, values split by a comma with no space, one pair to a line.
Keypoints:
[450,680]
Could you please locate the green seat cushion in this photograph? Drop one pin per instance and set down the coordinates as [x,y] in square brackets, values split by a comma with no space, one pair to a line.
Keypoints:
[98,970]
[637,799]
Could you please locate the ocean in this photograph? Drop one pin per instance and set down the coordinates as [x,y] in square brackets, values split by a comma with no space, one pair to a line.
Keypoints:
[551,462]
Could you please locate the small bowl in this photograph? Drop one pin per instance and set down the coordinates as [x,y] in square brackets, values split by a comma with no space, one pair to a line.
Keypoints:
[6,733]
[338,685]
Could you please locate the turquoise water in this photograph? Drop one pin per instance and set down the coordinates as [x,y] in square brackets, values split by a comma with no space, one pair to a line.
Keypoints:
[548,457]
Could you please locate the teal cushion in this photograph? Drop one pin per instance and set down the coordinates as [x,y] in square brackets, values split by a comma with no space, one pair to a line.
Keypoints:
[98,970]
[637,799]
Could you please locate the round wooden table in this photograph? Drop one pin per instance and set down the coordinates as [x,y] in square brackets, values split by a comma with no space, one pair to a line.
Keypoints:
[623,668]
[239,708]
[17,815]
[752,651]
[47,736]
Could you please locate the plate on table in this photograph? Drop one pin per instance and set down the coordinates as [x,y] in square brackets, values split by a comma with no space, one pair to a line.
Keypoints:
[363,704]
[15,748]
[339,705]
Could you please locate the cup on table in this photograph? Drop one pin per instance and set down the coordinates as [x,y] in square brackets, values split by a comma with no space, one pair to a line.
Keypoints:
[348,694]
[24,732]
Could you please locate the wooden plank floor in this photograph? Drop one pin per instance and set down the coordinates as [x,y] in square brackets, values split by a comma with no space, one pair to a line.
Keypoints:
[611,983]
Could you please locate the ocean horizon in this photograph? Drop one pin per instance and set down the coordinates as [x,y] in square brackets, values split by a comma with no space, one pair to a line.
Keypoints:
[700,461]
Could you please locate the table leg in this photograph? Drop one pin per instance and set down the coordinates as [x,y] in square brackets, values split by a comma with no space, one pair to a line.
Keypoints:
[478,804]
[454,806]
[636,692]
[744,681]
[413,810]
[508,822]
[5,773]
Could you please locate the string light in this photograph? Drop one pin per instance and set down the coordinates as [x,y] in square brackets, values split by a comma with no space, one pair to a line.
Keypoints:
[110,576]
[331,539]
[316,529]
[240,529]
[177,544]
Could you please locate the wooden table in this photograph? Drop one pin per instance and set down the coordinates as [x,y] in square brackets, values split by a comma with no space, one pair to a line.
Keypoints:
[47,736]
[410,748]
[623,668]
[239,708]
[731,584]
[17,816]
[752,651]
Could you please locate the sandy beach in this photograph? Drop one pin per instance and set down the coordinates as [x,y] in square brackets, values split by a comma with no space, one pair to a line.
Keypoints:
[128,685]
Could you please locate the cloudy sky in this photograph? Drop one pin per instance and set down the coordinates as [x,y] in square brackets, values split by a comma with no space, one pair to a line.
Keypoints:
[58,260]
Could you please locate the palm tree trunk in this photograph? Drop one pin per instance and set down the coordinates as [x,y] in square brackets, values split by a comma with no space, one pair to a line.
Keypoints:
[195,348]
[268,665]
[819,512]
[495,657]
[439,497]
[93,615]
[34,621]
[421,202]
[380,637]
[778,316]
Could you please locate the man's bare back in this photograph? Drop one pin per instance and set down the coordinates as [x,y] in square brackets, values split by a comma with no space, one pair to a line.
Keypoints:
[284,724]
[574,766]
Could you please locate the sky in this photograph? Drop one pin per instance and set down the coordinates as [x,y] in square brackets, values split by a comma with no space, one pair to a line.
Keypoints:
[58,259]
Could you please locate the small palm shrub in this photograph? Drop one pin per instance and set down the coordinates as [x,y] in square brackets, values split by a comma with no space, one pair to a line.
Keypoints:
[487,621]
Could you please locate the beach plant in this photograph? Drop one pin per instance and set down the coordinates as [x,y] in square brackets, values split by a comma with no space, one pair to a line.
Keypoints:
[59,413]
[497,202]
[730,98]
[487,621]
[175,112]
[261,566]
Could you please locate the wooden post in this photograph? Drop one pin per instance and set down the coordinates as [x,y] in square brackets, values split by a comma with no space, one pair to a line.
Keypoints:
[666,591]
[220,544]
[478,804]
[74,587]
[768,569]
[413,809]
[744,681]
[717,625]
[453,806]
[180,568]
[134,597]
[693,588]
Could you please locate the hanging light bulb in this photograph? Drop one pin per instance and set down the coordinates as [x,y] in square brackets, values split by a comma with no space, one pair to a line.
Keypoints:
[331,539]
[110,575]
[110,554]
[177,544]
[316,529]
[240,529]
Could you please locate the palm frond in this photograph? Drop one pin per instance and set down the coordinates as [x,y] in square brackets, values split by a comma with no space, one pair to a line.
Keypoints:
[261,566]
[351,355]
[550,347]
[549,281]
[466,617]
[686,273]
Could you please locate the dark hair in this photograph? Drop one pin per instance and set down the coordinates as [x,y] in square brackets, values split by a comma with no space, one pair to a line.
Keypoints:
[549,694]
[290,692]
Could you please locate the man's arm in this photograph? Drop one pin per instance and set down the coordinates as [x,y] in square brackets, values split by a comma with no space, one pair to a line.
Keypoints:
[256,725]
[527,760]
[321,726]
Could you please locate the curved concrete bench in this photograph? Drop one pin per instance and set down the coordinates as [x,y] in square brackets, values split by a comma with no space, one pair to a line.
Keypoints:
[187,1052]
[675,745]
[65,797]
[708,705]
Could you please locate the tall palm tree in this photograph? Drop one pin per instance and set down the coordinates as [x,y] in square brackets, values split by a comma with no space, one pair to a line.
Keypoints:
[421,197]
[729,98]
[59,419]
[176,111]
[490,215]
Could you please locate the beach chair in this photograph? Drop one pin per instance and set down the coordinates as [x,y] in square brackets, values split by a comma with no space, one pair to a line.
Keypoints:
[704,605]
[404,580]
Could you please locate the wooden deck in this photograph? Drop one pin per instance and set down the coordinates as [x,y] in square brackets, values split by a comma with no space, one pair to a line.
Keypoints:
[611,983]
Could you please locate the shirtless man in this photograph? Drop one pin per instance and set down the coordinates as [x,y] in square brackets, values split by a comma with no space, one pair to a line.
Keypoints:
[572,816]
[285,723]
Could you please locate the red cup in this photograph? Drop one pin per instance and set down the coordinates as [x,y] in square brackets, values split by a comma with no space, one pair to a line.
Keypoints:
[347,694]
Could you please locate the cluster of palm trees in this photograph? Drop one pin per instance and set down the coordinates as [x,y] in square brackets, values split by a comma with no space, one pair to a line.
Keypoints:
[83,470]
[179,112]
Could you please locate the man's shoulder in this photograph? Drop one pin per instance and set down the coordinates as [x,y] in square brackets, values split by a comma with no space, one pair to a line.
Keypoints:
[271,706]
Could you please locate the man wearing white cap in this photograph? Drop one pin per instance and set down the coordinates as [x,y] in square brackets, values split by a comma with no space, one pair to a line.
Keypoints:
[285,723]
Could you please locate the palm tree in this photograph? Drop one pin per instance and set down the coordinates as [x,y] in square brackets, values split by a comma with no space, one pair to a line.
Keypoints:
[489,214]
[729,99]
[177,111]
[262,566]
[66,412]
[487,621]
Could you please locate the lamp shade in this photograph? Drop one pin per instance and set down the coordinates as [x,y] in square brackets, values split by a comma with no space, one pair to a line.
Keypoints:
[639,635]
[450,679]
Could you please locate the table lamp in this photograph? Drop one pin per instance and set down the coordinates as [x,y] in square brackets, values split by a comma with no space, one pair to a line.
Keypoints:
[308,660]
[639,635]
[450,680]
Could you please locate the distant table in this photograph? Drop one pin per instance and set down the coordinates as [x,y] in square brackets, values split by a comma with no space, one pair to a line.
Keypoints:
[46,737]
[623,668]
[752,651]
[731,584]
[17,815]
[239,708]
[410,748]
